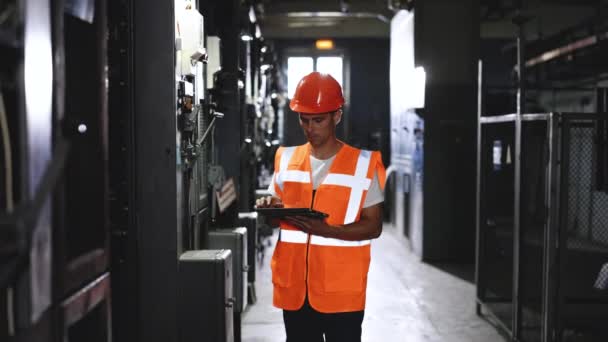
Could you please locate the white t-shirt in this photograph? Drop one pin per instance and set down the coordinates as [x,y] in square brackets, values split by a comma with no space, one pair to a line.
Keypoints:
[320,169]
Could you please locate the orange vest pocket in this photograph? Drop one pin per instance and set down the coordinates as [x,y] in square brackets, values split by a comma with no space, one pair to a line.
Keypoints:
[282,265]
[343,277]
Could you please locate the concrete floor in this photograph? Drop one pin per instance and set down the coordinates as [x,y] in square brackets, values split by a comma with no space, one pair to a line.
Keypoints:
[407,301]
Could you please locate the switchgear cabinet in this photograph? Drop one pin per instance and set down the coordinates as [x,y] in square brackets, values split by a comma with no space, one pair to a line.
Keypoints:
[205,296]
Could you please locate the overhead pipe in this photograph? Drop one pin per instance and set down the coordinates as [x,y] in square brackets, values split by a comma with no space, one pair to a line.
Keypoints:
[358,15]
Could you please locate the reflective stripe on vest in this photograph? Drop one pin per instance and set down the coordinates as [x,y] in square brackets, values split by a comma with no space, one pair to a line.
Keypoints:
[292,176]
[289,176]
[297,236]
[286,156]
[293,236]
[358,183]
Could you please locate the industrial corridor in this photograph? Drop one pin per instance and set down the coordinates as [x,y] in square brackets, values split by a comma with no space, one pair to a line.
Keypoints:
[406,301]
[303,170]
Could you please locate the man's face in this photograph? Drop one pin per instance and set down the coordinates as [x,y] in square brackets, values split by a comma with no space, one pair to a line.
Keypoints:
[319,128]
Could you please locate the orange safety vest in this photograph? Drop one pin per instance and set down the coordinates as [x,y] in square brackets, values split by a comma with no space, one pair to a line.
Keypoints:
[332,272]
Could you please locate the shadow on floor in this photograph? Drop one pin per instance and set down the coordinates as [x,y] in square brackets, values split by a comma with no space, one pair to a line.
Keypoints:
[465,272]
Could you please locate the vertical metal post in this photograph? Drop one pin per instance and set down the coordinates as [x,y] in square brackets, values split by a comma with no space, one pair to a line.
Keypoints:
[551,226]
[592,187]
[214,160]
[517,180]
[562,227]
[478,238]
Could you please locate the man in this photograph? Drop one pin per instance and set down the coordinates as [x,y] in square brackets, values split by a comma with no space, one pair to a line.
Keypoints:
[319,267]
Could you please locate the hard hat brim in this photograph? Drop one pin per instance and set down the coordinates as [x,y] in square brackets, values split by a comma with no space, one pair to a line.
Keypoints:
[303,109]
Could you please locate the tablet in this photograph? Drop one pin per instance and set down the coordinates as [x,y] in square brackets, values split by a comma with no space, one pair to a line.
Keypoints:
[283,212]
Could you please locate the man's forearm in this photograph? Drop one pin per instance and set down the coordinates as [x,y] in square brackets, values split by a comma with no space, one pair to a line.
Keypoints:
[368,227]
[364,229]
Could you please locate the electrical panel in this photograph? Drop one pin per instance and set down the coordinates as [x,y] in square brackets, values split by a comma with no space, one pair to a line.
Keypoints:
[249,220]
[206,301]
[190,40]
[236,241]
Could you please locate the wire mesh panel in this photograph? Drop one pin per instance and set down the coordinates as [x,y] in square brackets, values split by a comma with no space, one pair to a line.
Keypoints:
[495,284]
[535,171]
[562,250]
[582,287]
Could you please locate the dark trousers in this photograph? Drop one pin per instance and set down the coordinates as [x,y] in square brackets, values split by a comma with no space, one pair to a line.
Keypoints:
[309,325]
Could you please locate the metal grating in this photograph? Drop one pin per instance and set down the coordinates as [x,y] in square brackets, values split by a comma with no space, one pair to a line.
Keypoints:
[583,243]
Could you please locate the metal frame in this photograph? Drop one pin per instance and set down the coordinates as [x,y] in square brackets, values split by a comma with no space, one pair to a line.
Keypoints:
[563,217]
[521,91]
[555,197]
[83,271]
[479,255]
[497,119]
[552,194]
[83,282]
[124,251]
[83,268]
[482,301]
[83,302]
[515,331]
[556,200]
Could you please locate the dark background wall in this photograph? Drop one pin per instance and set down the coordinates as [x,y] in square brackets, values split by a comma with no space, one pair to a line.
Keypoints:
[366,83]
[450,60]
[369,95]
[499,57]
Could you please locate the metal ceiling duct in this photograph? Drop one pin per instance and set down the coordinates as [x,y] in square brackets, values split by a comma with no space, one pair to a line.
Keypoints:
[357,15]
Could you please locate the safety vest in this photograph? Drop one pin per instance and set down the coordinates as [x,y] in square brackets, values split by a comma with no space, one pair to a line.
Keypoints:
[332,272]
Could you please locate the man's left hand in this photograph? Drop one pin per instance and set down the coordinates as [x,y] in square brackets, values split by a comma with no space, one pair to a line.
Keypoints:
[311,225]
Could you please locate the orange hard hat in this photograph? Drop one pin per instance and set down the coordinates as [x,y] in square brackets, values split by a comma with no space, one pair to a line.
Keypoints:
[317,93]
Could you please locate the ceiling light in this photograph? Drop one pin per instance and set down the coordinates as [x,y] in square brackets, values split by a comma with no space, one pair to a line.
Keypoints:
[324,44]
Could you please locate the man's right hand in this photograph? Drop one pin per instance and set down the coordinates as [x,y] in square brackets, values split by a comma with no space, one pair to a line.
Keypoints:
[269,202]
